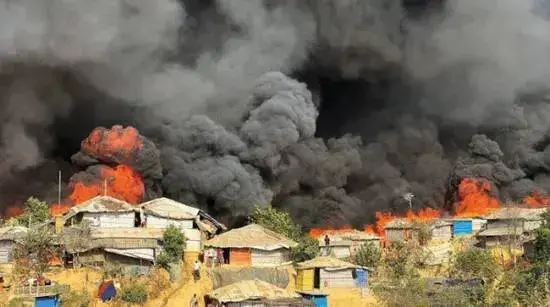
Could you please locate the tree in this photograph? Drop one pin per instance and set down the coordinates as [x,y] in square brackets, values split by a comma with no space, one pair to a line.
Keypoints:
[278,221]
[35,251]
[174,244]
[281,222]
[542,245]
[368,255]
[35,211]
[476,262]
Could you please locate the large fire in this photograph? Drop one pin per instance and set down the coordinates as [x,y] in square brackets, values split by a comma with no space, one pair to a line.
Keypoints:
[116,146]
[474,200]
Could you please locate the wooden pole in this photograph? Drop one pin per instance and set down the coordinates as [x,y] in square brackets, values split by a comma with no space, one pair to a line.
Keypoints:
[105,188]
[59,190]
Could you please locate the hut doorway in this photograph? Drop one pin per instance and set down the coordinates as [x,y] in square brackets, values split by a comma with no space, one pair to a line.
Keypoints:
[137,219]
[317,278]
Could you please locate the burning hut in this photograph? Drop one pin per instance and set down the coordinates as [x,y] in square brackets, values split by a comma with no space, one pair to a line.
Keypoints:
[253,245]
[345,244]
[463,227]
[511,227]
[8,238]
[399,230]
[255,293]
[103,211]
[327,272]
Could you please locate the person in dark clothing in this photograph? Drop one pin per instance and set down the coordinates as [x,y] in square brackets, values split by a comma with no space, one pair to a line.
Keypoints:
[327,245]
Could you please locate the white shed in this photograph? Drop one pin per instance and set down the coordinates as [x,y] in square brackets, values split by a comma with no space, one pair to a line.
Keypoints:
[103,212]
[162,212]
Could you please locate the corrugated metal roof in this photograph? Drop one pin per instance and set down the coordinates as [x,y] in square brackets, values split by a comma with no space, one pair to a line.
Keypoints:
[251,236]
[130,253]
[352,235]
[510,213]
[327,262]
[100,204]
[168,208]
[403,223]
[251,290]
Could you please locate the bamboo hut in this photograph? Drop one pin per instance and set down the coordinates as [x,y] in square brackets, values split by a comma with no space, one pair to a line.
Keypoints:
[254,293]
[326,272]
[399,230]
[253,245]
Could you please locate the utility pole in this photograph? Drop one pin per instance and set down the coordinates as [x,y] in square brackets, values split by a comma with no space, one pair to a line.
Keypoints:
[409,197]
[59,190]
[105,187]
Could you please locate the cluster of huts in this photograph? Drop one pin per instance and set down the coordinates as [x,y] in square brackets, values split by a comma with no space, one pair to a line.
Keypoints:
[110,234]
[507,227]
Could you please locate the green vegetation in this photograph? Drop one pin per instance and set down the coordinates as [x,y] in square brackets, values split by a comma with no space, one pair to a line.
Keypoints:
[33,253]
[542,245]
[35,211]
[76,299]
[174,244]
[475,263]
[367,255]
[135,293]
[281,222]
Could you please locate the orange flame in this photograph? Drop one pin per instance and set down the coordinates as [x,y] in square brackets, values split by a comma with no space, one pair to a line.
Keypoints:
[116,144]
[537,200]
[13,211]
[318,232]
[475,198]
[122,183]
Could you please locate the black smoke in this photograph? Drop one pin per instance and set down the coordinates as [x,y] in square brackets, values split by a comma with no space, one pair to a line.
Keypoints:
[329,109]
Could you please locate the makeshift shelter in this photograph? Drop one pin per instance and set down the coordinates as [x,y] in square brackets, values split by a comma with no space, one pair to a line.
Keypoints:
[163,211]
[103,211]
[510,226]
[326,272]
[345,244]
[399,230]
[255,293]
[8,237]
[253,245]
[47,301]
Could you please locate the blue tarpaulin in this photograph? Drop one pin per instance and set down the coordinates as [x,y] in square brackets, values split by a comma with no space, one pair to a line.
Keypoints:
[47,301]
[107,291]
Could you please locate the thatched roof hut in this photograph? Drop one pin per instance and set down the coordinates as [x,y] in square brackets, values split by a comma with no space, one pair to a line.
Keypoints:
[253,244]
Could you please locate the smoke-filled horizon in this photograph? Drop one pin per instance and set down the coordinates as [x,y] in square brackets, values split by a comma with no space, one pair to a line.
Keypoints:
[329,109]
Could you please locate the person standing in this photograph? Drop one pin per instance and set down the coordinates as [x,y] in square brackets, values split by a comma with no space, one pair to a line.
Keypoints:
[327,245]
[197,270]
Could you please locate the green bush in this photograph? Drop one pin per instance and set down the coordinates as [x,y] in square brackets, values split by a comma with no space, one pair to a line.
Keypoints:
[174,243]
[163,260]
[476,262]
[75,299]
[134,293]
[367,255]
[542,245]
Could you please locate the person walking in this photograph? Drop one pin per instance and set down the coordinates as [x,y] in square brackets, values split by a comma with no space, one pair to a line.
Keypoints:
[197,270]
[327,245]
[194,301]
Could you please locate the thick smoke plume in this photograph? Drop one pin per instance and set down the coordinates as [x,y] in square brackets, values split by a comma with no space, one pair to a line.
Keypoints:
[330,109]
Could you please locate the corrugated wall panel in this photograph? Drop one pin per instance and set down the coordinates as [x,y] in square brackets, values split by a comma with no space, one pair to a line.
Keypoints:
[193,246]
[478,224]
[304,280]
[462,228]
[337,278]
[160,222]
[240,256]
[274,257]
[340,251]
